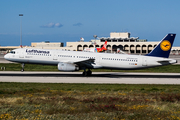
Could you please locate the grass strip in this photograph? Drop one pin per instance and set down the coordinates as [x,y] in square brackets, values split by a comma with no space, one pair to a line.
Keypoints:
[88,101]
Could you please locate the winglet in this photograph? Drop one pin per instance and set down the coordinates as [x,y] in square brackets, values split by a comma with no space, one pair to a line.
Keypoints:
[164,47]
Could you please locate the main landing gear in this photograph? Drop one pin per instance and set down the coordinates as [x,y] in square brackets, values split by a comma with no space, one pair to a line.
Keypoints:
[87,73]
[22,70]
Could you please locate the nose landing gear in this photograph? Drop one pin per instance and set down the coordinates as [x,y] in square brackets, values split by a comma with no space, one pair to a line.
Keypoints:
[22,70]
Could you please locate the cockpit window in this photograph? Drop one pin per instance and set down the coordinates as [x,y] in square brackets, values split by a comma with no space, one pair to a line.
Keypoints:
[12,52]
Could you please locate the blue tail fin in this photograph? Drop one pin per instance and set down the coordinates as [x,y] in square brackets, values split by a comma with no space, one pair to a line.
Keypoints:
[164,47]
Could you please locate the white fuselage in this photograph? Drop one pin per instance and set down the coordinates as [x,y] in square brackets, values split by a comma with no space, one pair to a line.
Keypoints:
[101,60]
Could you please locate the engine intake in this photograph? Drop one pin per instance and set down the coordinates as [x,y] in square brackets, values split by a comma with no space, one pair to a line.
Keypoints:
[67,67]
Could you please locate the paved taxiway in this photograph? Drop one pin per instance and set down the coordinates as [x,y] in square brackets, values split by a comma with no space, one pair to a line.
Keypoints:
[97,77]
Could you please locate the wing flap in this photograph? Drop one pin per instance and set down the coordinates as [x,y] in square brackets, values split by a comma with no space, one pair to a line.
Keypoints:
[86,63]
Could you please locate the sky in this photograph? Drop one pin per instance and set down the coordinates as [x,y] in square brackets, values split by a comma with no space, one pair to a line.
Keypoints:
[69,20]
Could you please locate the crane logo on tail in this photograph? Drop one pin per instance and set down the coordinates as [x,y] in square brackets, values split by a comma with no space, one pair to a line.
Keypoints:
[165,45]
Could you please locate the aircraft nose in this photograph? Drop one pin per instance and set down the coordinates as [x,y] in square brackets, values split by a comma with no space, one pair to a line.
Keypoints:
[6,56]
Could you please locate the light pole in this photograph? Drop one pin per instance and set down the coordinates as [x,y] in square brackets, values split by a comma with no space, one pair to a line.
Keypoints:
[21,29]
[95,36]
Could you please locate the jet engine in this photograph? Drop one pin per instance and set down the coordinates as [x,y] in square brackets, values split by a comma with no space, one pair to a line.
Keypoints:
[67,67]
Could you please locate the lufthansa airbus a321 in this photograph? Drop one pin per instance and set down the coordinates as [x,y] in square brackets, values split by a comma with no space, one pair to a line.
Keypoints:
[78,60]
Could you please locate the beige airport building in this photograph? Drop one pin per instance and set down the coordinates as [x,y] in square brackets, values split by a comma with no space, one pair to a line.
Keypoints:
[117,41]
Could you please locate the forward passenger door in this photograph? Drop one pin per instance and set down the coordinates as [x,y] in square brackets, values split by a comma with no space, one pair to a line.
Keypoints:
[55,56]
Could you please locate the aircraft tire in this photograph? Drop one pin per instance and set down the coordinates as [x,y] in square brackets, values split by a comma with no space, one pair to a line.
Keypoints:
[89,73]
[85,73]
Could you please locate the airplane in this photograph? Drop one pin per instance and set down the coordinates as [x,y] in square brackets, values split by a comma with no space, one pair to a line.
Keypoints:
[78,60]
[97,49]
[120,51]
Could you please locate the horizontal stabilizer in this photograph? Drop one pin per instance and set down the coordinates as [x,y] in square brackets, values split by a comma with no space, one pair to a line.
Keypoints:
[170,61]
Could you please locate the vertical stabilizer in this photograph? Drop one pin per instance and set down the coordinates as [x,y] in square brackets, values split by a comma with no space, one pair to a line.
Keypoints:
[164,47]
[104,46]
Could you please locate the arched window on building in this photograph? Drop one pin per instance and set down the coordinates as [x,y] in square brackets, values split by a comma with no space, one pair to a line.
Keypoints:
[79,48]
[144,49]
[114,48]
[91,46]
[85,46]
[173,51]
[138,49]
[120,47]
[108,48]
[132,48]
[97,46]
[126,48]
[150,48]
[178,51]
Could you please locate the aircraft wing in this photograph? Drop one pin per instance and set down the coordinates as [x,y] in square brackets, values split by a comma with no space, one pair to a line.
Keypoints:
[86,63]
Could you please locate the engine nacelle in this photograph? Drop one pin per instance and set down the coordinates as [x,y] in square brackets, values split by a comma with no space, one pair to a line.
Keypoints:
[67,67]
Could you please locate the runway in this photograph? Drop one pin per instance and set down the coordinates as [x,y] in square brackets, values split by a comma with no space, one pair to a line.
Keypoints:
[97,77]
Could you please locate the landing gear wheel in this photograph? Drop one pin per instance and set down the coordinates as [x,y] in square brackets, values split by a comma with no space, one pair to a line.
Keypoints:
[22,70]
[89,72]
[84,73]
